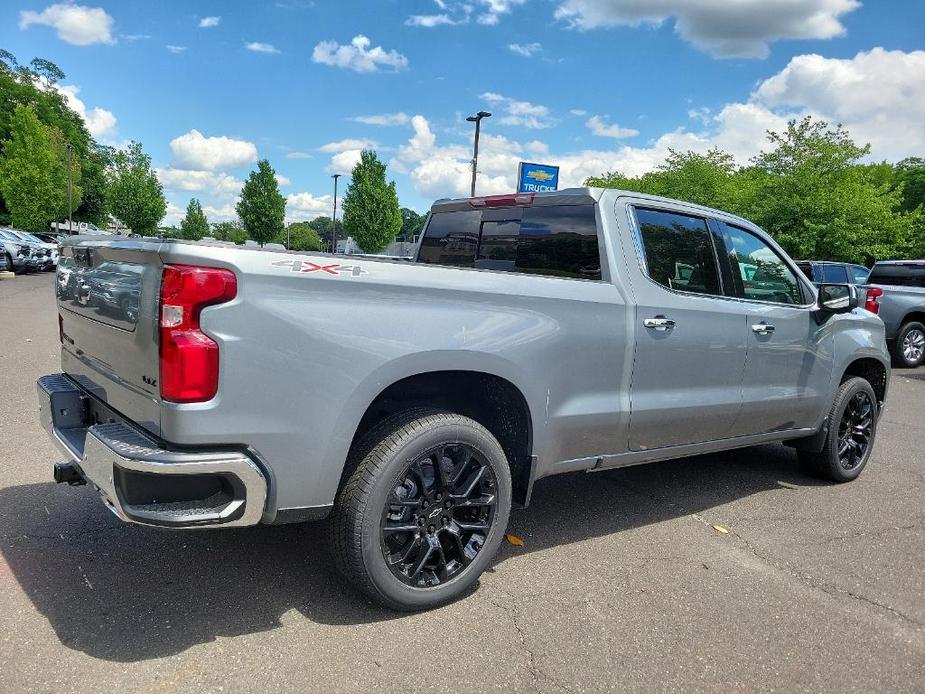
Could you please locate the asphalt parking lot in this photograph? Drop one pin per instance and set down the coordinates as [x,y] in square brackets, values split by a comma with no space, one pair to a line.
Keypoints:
[623,582]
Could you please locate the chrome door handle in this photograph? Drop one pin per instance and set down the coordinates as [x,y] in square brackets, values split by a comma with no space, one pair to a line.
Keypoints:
[659,323]
[762,329]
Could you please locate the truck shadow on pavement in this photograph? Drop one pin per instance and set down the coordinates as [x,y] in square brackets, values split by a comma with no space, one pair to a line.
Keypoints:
[128,593]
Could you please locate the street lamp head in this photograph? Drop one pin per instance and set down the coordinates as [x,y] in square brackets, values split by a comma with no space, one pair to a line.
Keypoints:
[472,119]
[336,176]
[483,114]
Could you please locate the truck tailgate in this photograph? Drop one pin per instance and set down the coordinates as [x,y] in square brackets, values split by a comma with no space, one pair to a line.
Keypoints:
[107,292]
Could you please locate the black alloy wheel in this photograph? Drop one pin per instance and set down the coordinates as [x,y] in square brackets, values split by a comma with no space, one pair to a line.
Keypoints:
[438,516]
[855,430]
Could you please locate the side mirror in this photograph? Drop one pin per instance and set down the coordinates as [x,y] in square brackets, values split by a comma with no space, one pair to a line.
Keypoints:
[837,298]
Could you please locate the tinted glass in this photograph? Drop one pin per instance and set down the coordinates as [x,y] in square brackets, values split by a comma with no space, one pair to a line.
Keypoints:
[559,240]
[679,252]
[903,275]
[807,269]
[765,276]
[834,274]
[451,238]
[859,274]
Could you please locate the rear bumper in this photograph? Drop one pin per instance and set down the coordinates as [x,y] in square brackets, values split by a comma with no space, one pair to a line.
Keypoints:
[140,480]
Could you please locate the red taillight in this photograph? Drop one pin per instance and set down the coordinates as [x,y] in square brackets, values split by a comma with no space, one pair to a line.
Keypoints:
[509,200]
[189,357]
[872,303]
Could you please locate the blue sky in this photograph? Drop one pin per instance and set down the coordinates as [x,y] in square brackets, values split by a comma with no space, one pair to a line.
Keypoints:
[590,85]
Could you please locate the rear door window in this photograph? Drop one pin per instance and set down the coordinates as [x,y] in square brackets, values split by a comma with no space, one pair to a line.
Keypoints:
[554,240]
[451,238]
[834,274]
[679,251]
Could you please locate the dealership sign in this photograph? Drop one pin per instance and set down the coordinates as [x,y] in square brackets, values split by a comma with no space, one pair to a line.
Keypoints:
[537,178]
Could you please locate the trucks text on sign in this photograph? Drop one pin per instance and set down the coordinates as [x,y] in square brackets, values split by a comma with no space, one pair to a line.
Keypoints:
[537,178]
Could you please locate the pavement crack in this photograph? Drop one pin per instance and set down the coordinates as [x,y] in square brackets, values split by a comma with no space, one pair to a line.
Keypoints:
[811,581]
[511,610]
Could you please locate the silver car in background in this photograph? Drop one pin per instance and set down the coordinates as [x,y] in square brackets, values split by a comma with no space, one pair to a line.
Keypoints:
[20,256]
[45,253]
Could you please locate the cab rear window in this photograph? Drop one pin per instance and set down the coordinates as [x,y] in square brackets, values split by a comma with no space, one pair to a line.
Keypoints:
[899,274]
[553,240]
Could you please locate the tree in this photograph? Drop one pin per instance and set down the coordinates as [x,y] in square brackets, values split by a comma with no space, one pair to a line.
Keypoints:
[261,208]
[371,213]
[910,173]
[811,193]
[33,172]
[412,224]
[229,231]
[136,197]
[301,236]
[194,225]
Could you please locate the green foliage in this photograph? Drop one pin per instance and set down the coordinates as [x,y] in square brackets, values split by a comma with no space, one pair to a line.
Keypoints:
[910,173]
[412,224]
[371,213]
[301,236]
[136,197]
[262,209]
[194,225]
[33,172]
[322,227]
[808,189]
[811,193]
[229,231]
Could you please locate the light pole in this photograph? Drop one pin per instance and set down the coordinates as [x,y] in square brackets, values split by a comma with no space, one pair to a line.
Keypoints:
[477,119]
[334,217]
[70,187]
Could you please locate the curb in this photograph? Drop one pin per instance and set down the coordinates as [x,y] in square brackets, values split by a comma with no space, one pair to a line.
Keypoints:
[6,276]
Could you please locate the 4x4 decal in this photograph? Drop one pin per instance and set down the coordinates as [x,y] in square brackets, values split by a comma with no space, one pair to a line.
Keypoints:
[303,265]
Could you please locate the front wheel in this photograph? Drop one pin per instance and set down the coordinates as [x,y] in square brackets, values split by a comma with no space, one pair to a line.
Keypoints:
[852,427]
[424,511]
[909,348]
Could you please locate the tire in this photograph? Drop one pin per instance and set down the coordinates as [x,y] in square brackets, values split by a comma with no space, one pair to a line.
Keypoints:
[9,263]
[852,430]
[397,462]
[909,347]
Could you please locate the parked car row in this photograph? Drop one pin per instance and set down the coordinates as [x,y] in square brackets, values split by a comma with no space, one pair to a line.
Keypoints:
[25,252]
[894,290]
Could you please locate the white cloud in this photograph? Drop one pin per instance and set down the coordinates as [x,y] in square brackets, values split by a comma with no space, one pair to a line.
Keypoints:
[358,56]
[399,118]
[298,155]
[525,49]
[878,95]
[195,151]
[209,22]
[175,49]
[100,122]
[306,206]
[282,180]
[349,143]
[743,28]
[520,113]
[494,9]
[600,128]
[343,162]
[258,47]
[136,37]
[429,21]
[578,112]
[75,24]
[218,185]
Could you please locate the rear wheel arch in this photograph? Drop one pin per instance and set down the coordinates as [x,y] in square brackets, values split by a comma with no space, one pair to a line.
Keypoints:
[491,400]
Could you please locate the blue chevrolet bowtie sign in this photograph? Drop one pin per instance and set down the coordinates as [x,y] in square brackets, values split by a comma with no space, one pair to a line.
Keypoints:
[537,178]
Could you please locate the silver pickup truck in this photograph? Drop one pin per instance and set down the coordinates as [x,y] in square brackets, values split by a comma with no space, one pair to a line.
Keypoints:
[896,292]
[411,404]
